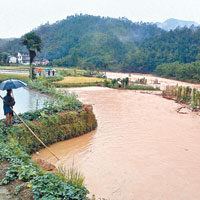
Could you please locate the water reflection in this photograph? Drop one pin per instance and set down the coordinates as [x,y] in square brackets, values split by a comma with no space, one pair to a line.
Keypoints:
[13,71]
[26,100]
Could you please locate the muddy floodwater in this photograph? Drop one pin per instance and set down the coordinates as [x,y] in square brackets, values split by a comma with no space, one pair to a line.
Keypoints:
[142,149]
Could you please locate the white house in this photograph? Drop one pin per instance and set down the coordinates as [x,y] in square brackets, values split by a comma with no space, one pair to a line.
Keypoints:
[23,58]
[12,59]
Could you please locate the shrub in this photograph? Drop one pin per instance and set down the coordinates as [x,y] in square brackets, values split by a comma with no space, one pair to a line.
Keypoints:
[170,91]
[141,81]
[142,87]
[183,94]
[48,186]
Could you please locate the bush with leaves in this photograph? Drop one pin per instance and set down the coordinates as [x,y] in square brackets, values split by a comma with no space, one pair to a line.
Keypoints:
[48,186]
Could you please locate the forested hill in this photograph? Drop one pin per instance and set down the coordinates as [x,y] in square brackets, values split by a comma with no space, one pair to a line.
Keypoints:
[113,44]
[89,40]
[182,45]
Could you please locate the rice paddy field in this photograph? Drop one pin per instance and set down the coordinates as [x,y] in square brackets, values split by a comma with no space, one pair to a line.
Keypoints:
[72,81]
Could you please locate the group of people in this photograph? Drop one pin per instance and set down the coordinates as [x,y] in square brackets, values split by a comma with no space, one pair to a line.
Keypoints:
[53,72]
[48,72]
[8,104]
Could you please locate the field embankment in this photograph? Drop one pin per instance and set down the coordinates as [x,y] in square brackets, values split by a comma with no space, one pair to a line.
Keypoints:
[54,128]
[63,117]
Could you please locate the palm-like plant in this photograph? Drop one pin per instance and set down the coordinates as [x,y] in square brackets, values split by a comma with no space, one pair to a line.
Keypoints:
[33,43]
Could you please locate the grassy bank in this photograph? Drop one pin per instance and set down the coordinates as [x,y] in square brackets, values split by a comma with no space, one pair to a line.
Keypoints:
[4,76]
[63,117]
[19,67]
[141,87]
[52,128]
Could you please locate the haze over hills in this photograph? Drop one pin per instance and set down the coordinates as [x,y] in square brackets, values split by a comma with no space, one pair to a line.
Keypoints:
[171,24]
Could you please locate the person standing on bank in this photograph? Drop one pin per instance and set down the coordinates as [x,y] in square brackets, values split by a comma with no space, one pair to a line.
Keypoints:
[9,101]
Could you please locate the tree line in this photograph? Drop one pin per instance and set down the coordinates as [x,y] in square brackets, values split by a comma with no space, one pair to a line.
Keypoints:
[189,72]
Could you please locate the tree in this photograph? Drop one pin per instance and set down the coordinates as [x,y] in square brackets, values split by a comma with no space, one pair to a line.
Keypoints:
[33,43]
[4,57]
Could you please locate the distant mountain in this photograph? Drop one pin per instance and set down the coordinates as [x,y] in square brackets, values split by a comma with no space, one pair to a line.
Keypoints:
[171,24]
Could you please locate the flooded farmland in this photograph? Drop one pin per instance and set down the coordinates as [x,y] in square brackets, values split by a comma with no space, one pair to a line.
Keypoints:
[142,148]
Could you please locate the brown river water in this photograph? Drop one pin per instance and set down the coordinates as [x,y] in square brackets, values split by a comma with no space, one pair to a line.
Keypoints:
[142,149]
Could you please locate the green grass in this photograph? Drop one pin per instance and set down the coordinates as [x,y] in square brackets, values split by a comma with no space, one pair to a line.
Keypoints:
[23,67]
[78,84]
[71,176]
[81,79]
[71,81]
[22,77]
[20,67]
[142,87]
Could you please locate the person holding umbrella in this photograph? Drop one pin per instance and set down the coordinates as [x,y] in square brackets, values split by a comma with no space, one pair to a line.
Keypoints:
[8,103]
[8,100]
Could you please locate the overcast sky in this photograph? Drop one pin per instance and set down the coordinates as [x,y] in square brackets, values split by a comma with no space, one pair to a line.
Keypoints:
[18,17]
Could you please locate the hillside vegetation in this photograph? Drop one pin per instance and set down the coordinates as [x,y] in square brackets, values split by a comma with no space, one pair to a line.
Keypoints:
[89,41]
[113,44]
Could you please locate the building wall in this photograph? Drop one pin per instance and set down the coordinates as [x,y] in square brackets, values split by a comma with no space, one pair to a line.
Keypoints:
[12,59]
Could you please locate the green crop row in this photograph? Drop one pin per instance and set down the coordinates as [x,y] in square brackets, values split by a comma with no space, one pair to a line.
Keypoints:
[43,185]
